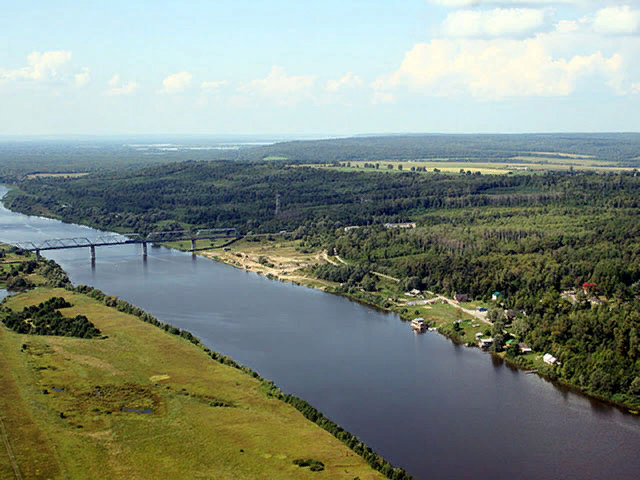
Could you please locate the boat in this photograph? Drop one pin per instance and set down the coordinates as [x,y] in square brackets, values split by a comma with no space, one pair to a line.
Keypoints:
[418,324]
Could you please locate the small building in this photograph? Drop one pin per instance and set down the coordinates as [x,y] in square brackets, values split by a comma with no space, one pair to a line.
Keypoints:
[462,297]
[352,227]
[400,225]
[485,342]
[479,335]
[550,359]
[510,343]
[496,296]
[524,348]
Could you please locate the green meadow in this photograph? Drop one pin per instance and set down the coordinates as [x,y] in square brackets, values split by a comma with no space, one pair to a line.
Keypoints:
[142,403]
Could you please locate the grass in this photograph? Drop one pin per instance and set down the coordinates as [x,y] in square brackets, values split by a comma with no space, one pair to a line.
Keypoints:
[71,175]
[140,367]
[532,164]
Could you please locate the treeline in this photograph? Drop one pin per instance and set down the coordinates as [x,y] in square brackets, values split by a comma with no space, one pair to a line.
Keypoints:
[46,319]
[612,147]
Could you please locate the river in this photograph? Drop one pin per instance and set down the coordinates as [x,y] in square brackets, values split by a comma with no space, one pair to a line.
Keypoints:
[436,409]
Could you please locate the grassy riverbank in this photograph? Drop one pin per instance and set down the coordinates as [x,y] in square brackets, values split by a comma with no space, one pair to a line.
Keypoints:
[72,408]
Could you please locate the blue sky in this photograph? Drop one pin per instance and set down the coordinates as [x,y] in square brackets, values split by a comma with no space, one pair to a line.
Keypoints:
[332,67]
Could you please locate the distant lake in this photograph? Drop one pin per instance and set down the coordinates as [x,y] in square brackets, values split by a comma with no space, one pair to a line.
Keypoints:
[438,410]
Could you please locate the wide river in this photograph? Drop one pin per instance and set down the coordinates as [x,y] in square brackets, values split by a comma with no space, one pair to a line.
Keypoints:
[436,409]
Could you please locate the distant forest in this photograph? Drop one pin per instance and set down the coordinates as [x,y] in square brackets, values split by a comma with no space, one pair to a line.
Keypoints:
[22,157]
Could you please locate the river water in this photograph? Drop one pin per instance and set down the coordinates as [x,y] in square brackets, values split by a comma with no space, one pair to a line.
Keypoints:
[436,409]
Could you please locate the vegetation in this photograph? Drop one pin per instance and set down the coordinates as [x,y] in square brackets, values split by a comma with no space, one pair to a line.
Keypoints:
[533,237]
[120,395]
[46,319]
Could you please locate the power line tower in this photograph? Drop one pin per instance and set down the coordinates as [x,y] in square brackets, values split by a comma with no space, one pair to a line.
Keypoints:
[277,204]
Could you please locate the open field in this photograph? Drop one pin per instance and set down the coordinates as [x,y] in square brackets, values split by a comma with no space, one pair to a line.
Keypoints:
[568,155]
[520,164]
[71,175]
[146,404]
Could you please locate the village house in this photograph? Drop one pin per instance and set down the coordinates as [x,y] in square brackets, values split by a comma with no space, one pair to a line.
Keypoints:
[485,342]
[400,225]
[524,348]
[496,296]
[550,359]
[413,293]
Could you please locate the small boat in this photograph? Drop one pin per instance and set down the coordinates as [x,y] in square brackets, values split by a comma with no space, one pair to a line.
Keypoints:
[531,371]
[418,324]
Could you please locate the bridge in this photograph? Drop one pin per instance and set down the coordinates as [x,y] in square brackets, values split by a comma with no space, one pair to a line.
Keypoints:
[130,238]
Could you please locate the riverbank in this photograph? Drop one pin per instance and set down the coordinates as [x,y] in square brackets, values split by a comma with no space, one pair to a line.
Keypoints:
[283,261]
[149,402]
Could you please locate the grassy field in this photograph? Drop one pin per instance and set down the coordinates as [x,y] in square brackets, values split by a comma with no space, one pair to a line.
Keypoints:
[71,175]
[73,408]
[520,165]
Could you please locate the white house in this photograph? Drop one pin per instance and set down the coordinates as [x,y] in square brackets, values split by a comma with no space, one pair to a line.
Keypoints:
[550,359]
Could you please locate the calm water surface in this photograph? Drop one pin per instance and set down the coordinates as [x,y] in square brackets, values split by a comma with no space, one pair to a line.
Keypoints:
[438,410]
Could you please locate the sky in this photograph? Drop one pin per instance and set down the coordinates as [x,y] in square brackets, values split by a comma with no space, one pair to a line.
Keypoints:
[319,68]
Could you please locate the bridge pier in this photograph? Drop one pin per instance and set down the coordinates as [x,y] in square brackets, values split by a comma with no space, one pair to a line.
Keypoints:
[193,244]
[144,249]
[93,253]
[37,255]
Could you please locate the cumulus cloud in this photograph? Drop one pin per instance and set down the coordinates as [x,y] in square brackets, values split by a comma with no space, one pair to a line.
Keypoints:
[176,83]
[280,87]
[41,67]
[494,23]
[349,80]
[495,69]
[622,20]
[635,88]
[82,78]
[209,86]
[116,87]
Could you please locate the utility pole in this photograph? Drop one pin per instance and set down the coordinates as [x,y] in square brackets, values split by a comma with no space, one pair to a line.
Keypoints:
[277,204]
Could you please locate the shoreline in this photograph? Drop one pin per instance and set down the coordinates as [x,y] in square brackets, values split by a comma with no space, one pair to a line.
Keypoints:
[624,408]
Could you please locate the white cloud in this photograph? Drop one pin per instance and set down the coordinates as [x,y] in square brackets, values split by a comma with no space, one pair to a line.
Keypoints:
[567,26]
[635,88]
[82,78]
[383,97]
[349,80]
[498,22]
[620,20]
[118,88]
[480,3]
[280,87]
[41,67]
[213,85]
[176,83]
[498,68]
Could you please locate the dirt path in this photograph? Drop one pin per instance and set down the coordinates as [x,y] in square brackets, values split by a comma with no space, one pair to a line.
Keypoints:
[340,260]
[325,256]
[397,280]
[12,458]
[480,316]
